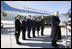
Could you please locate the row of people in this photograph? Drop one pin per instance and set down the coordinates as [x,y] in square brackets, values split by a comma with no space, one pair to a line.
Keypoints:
[55,28]
[28,24]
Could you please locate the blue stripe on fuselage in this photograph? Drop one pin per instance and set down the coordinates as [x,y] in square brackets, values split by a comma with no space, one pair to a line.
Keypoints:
[7,7]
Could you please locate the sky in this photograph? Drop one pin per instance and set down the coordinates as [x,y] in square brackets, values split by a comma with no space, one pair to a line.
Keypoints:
[51,6]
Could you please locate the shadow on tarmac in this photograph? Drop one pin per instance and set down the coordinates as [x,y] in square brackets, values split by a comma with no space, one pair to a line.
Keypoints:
[46,42]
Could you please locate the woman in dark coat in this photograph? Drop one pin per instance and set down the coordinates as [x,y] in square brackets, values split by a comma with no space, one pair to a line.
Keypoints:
[38,24]
[24,26]
[42,25]
[56,30]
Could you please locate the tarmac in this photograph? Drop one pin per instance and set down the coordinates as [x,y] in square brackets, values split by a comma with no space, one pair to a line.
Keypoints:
[8,38]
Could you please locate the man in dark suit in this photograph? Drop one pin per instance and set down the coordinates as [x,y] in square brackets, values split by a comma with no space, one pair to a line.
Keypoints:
[24,27]
[29,24]
[33,26]
[56,30]
[42,25]
[17,29]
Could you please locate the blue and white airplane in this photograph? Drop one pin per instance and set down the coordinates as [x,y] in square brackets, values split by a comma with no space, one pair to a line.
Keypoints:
[10,10]
[13,10]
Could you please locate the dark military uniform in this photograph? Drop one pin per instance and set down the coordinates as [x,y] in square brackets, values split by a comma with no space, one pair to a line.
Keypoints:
[29,23]
[33,27]
[24,27]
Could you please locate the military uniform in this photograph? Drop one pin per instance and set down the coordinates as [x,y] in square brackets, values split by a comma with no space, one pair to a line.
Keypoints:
[29,25]
[24,27]
[33,27]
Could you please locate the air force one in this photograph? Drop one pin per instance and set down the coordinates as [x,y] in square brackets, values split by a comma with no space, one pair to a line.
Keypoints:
[9,10]
[8,7]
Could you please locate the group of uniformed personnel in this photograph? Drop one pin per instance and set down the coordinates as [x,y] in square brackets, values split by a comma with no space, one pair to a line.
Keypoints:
[29,24]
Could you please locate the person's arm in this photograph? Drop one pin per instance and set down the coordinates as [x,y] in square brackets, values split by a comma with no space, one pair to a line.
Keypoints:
[22,25]
[55,21]
[26,24]
[31,22]
[16,26]
[27,21]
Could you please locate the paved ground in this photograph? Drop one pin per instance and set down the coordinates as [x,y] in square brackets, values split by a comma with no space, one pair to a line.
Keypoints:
[8,39]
